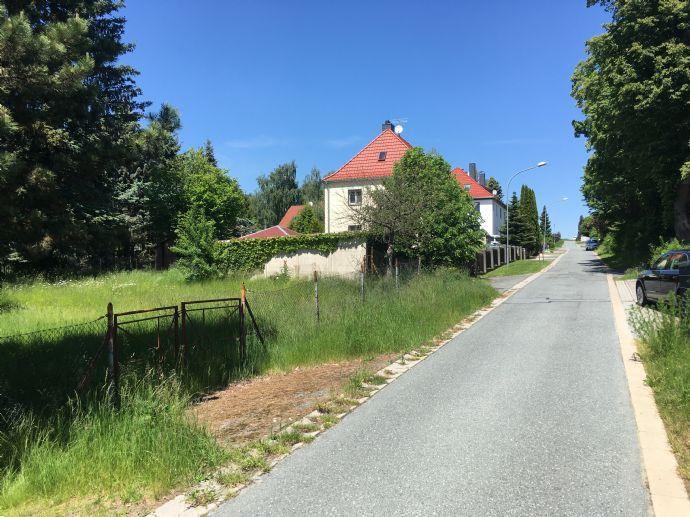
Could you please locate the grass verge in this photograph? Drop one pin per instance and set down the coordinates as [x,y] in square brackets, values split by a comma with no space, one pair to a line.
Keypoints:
[521,267]
[665,350]
[91,453]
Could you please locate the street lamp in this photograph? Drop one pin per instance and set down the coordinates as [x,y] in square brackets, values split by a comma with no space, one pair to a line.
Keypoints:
[540,164]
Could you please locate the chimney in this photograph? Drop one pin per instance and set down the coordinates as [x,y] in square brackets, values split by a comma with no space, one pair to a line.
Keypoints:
[473,171]
[386,125]
[482,179]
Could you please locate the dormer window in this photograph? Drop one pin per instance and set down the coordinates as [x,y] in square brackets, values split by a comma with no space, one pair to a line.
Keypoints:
[382,156]
[468,187]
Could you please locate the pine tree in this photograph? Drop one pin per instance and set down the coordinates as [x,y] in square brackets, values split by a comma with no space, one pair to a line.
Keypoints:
[519,226]
[67,112]
[209,153]
[493,184]
[530,212]
[545,227]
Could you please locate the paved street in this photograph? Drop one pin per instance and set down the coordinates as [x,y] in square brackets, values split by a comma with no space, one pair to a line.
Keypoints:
[525,413]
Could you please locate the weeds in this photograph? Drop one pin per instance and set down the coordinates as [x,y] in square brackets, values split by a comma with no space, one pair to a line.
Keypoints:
[665,350]
[201,497]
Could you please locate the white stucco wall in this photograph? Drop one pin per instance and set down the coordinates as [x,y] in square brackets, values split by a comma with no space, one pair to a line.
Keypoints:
[493,216]
[338,214]
[344,261]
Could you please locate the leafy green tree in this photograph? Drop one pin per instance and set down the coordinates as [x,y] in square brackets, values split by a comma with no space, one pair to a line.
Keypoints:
[277,192]
[493,184]
[422,210]
[210,190]
[200,255]
[306,221]
[312,192]
[634,91]
[67,107]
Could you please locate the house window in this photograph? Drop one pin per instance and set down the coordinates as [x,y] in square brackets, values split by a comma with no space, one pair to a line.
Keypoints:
[476,207]
[354,196]
[354,227]
[468,187]
[382,156]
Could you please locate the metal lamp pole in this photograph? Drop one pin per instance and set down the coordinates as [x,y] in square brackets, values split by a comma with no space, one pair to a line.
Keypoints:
[540,164]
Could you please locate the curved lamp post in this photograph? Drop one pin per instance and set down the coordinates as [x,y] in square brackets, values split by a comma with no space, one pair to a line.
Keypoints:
[540,164]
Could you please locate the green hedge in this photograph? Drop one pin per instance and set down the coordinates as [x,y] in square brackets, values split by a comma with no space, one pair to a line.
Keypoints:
[252,254]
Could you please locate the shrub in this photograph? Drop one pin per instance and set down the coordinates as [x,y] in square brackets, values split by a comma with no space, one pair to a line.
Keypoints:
[664,246]
[306,221]
[200,254]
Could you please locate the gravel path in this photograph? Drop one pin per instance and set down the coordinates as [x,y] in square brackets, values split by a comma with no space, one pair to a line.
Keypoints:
[525,413]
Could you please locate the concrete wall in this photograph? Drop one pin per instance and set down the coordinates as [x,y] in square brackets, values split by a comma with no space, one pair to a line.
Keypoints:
[346,260]
[338,214]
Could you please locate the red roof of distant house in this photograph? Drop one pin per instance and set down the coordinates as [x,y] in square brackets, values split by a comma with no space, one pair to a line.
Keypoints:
[475,188]
[290,215]
[367,163]
[268,233]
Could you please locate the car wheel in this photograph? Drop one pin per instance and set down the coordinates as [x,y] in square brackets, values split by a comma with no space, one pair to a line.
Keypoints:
[641,296]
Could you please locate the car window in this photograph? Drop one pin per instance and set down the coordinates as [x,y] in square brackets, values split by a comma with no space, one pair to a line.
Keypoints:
[660,262]
[678,260]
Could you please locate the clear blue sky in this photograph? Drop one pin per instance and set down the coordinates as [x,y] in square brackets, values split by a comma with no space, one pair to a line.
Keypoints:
[312,81]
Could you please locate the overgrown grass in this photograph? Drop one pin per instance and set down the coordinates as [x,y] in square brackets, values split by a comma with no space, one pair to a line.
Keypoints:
[520,267]
[150,446]
[665,336]
[143,450]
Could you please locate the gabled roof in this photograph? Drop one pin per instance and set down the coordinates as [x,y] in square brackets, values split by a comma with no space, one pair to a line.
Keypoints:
[475,188]
[269,233]
[366,164]
[290,215]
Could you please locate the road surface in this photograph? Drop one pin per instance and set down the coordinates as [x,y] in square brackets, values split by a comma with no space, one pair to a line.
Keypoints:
[525,413]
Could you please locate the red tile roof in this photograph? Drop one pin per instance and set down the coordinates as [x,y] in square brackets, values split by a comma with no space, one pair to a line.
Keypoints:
[290,215]
[366,164]
[475,188]
[269,233]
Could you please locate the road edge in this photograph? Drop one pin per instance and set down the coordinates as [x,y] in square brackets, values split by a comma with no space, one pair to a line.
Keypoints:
[666,488]
[178,505]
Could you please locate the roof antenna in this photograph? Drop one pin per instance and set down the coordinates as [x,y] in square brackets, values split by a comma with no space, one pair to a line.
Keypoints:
[399,125]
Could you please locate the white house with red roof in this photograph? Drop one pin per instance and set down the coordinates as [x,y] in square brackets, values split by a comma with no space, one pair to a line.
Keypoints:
[346,188]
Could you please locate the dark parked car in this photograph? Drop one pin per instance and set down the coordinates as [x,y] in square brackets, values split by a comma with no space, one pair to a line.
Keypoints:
[669,274]
[592,244]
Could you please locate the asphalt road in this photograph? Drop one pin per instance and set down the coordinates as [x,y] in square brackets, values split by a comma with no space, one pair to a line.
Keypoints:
[525,413]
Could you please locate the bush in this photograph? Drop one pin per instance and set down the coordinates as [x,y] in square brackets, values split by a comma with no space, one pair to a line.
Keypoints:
[662,247]
[306,221]
[200,254]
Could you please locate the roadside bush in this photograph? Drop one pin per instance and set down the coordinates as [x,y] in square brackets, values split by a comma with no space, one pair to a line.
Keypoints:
[664,329]
[200,254]
[663,246]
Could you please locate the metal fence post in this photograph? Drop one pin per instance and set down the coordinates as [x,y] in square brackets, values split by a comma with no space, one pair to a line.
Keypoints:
[397,273]
[176,325]
[243,330]
[316,296]
[113,359]
[183,355]
[361,282]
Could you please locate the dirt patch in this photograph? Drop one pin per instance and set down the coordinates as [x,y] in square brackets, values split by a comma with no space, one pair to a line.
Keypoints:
[255,408]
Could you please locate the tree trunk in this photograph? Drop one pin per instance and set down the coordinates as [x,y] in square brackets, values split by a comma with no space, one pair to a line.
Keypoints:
[680,212]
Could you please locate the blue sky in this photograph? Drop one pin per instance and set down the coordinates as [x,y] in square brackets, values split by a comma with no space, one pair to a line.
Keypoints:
[274,81]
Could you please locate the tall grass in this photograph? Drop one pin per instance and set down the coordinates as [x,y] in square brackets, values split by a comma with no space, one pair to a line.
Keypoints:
[143,450]
[665,350]
[54,451]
